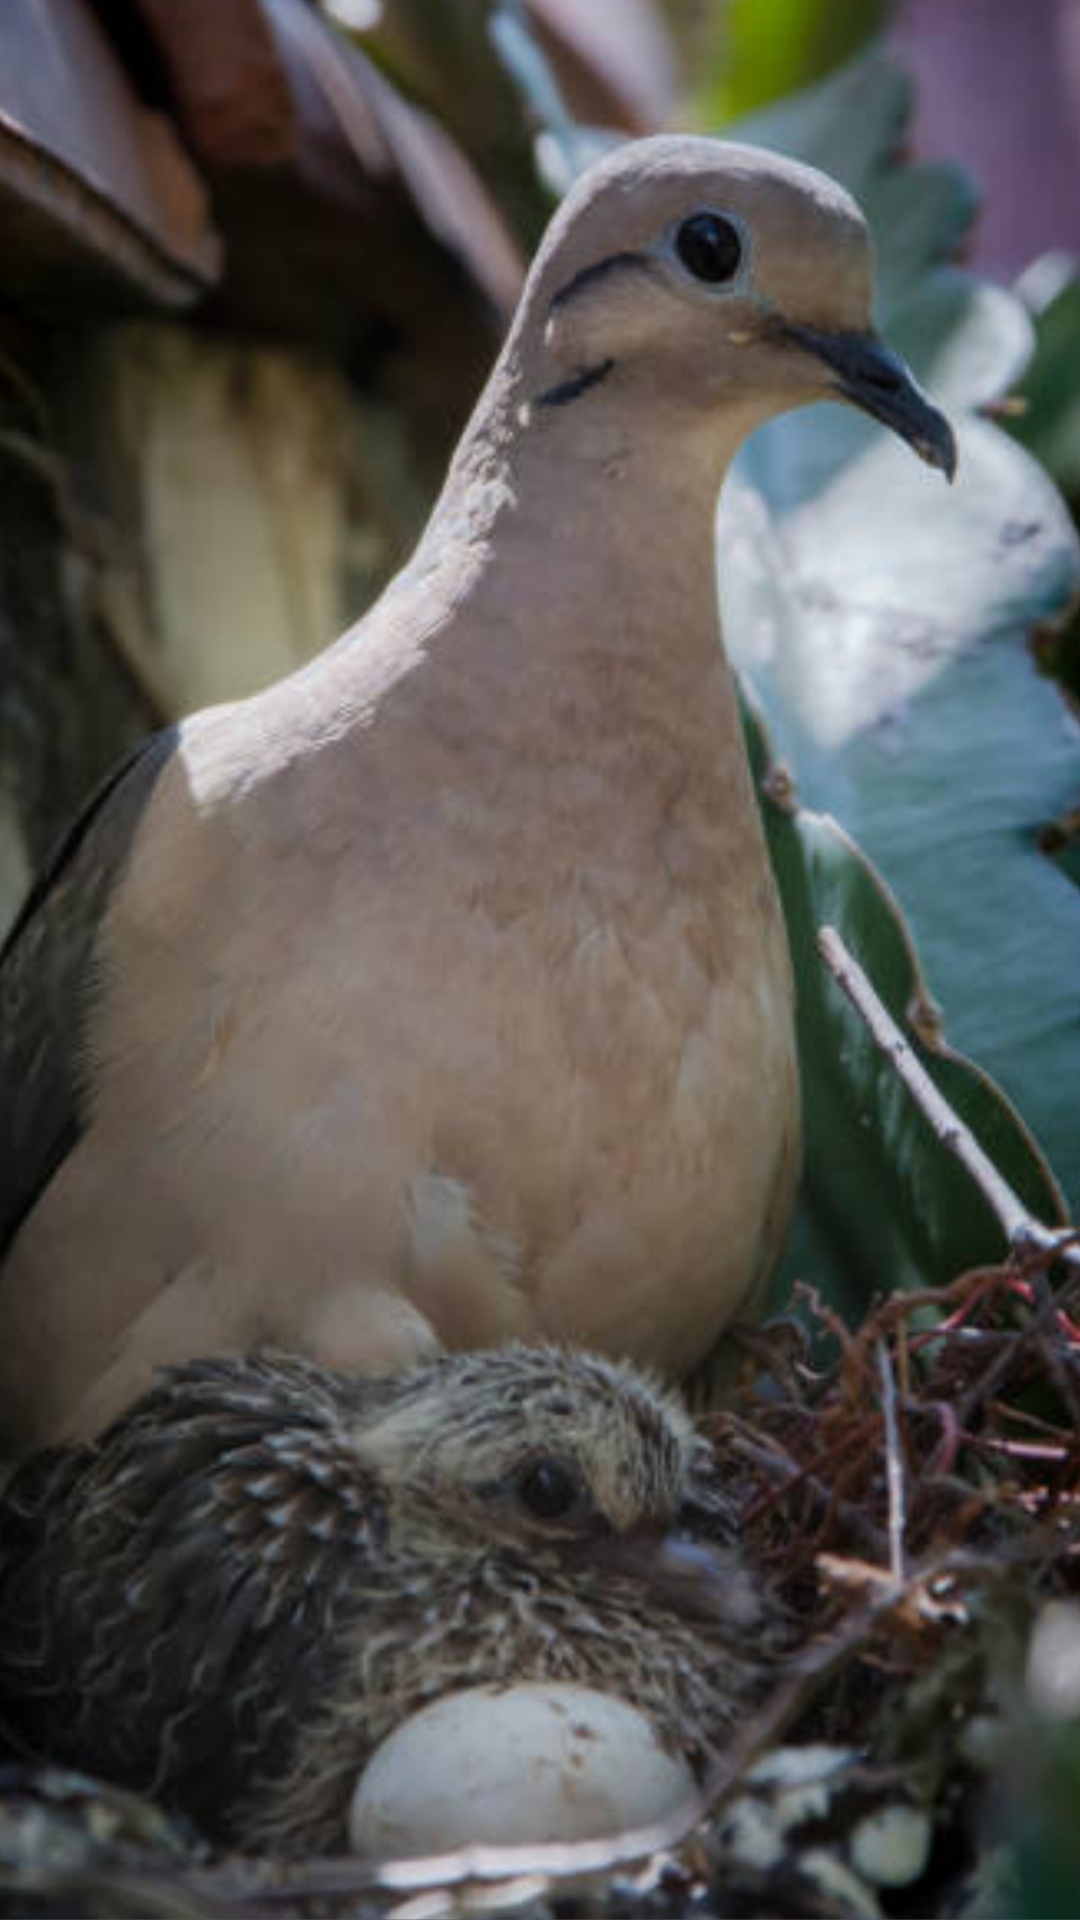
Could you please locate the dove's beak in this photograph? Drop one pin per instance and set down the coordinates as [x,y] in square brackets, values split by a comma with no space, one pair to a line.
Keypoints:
[872,377]
[689,1577]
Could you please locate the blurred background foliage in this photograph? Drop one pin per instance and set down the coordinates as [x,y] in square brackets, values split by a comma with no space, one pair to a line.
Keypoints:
[741,56]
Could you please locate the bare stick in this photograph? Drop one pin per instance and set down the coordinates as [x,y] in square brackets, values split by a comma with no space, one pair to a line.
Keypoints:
[1023,1232]
[894,1465]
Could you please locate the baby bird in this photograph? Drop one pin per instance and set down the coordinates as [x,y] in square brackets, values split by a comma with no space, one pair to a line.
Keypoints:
[258,1572]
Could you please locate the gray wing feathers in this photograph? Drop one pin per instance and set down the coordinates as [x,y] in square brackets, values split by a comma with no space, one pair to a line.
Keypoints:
[46,974]
[173,1598]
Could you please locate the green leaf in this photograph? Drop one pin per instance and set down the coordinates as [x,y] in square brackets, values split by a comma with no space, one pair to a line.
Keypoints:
[753,51]
[884,1205]
[883,620]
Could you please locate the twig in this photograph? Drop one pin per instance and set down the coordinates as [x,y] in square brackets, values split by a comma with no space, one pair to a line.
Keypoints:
[1024,1233]
[770,1459]
[894,1464]
[1046,1323]
[813,1478]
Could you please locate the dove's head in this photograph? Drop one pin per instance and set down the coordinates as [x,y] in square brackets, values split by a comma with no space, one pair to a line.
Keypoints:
[704,276]
[558,1455]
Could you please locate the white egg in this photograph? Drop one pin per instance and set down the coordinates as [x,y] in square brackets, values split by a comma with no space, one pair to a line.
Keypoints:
[514,1766]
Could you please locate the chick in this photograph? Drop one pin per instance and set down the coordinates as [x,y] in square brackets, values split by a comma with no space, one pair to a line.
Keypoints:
[234,1594]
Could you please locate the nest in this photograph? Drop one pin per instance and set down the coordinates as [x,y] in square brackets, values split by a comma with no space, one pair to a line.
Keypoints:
[913,1496]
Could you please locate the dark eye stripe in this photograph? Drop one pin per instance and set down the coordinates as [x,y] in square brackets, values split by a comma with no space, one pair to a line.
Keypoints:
[598,270]
[577,384]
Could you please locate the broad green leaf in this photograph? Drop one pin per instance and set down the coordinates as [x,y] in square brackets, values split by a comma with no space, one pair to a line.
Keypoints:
[884,1205]
[1037,1802]
[883,620]
[746,52]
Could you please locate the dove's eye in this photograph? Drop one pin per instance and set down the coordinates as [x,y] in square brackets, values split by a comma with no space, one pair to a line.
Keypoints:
[710,247]
[549,1489]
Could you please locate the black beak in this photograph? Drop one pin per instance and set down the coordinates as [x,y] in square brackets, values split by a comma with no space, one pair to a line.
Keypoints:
[690,1577]
[877,380]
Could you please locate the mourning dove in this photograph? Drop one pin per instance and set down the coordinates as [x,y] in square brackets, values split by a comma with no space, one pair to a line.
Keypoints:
[440,993]
[237,1592]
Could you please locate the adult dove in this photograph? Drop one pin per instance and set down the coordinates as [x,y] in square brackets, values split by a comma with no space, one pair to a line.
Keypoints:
[439,994]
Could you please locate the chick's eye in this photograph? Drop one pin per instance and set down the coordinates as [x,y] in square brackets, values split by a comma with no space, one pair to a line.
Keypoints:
[549,1489]
[709,247]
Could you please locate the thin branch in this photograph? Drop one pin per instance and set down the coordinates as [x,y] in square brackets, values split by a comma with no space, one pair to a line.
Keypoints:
[1024,1233]
[1050,1343]
[894,1465]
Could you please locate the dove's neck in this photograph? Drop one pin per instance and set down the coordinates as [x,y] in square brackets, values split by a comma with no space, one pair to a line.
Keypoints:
[584,520]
